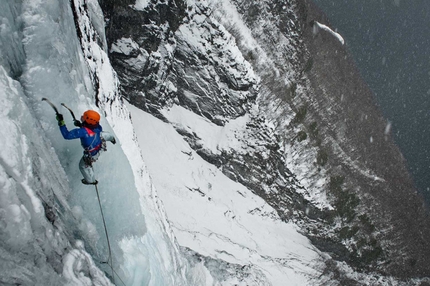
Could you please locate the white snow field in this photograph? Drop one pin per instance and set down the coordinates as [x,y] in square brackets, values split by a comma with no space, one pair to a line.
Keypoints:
[213,215]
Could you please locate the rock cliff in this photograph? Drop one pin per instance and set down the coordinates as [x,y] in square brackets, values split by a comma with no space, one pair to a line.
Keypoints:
[315,147]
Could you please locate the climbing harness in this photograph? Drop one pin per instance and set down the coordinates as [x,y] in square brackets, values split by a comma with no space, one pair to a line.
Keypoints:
[91,133]
[88,158]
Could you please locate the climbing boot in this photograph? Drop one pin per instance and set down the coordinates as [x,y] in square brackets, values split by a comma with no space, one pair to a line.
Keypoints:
[87,183]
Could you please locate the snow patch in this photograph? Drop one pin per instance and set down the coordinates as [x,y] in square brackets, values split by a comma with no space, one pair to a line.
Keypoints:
[387,128]
[213,137]
[141,5]
[215,216]
[318,26]
[80,270]
[124,46]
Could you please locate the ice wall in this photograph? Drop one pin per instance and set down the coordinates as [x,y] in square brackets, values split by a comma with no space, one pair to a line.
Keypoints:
[42,56]
[36,222]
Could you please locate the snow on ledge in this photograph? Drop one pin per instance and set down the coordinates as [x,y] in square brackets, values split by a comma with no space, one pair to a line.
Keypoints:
[124,46]
[80,269]
[318,25]
[140,5]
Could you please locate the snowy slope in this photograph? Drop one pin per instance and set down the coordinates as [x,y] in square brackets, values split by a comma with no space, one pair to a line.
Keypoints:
[217,217]
[243,75]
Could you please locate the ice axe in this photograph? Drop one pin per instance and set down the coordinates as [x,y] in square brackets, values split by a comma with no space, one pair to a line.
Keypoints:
[52,105]
[75,121]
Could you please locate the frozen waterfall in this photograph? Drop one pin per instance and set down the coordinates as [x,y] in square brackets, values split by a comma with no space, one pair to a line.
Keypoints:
[41,56]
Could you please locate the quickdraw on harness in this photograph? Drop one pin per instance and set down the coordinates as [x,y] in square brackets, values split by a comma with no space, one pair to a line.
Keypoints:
[88,158]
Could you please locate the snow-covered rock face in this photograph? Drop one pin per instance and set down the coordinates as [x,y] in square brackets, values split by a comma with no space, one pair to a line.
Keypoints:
[250,72]
[211,77]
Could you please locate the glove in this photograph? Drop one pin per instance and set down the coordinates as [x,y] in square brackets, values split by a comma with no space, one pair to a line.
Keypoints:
[77,123]
[60,119]
[113,141]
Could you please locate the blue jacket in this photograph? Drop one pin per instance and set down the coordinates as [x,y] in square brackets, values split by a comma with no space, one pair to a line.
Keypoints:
[90,138]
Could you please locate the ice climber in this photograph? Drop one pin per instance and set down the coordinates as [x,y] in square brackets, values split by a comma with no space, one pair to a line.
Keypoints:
[93,140]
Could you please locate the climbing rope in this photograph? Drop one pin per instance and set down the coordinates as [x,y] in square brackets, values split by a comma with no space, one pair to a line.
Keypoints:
[109,260]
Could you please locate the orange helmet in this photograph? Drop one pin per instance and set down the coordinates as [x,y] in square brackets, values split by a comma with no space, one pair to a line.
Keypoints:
[91,117]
